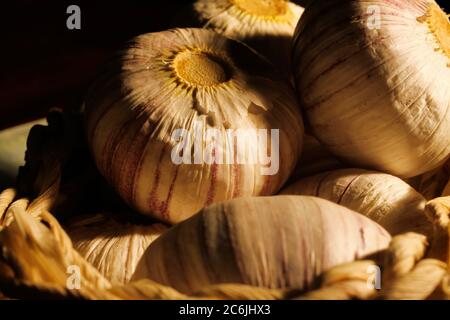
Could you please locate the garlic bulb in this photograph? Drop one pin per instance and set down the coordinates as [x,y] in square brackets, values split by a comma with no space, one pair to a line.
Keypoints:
[266,25]
[175,123]
[385,199]
[273,242]
[374,80]
[113,248]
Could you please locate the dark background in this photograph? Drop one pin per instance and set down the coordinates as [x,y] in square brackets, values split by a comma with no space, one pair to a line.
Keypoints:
[43,64]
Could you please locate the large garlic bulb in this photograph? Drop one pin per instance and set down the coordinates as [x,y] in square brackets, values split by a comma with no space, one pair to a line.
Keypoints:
[386,199]
[115,249]
[274,242]
[374,80]
[266,25]
[186,117]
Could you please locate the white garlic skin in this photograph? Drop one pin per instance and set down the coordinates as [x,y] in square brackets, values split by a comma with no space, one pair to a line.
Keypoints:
[113,248]
[383,198]
[134,108]
[377,97]
[270,242]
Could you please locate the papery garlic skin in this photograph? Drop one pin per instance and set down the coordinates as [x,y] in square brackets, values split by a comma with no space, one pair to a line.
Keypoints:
[266,25]
[383,198]
[272,242]
[374,81]
[113,248]
[174,80]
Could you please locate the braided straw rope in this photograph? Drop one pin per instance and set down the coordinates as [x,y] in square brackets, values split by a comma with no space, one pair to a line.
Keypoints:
[35,254]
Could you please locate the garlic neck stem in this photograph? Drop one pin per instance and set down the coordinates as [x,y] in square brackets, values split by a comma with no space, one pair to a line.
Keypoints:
[197,68]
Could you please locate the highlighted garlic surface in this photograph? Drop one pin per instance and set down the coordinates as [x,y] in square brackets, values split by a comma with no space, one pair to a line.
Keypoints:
[273,242]
[266,25]
[196,82]
[115,249]
[385,199]
[374,80]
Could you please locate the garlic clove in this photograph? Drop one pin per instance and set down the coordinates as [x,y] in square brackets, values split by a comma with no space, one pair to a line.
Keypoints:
[366,75]
[272,242]
[266,26]
[385,199]
[115,249]
[191,80]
